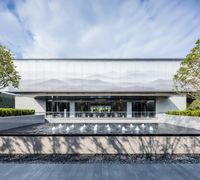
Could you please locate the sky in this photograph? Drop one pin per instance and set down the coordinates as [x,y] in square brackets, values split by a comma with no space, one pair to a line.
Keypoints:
[99,28]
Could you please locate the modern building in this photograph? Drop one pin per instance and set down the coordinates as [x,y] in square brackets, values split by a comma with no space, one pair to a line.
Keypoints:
[98,87]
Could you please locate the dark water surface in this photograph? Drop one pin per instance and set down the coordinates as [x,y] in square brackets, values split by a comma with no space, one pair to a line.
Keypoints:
[103,129]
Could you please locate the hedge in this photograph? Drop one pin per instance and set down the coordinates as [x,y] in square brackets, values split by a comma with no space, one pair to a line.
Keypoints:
[185,113]
[15,112]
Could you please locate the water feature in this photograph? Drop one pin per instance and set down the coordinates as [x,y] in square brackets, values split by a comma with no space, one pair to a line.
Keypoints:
[72,126]
[67,129]
[103,129]
[82,128]
[53,129]
[150,128]
[143,126]
[131,126]
[123,129]
[108,127]
[137,129]
[60,126]
[95,128]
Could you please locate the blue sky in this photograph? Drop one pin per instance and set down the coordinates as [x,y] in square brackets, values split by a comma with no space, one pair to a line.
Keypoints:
[99,28]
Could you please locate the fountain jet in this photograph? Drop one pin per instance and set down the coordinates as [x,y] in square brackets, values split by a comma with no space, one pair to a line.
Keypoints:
[143,126]
[131,126]
[123,129]
[137,128]
[67,129]
[150,128]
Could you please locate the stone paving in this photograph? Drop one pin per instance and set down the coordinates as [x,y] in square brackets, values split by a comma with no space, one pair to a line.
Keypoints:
[99,171]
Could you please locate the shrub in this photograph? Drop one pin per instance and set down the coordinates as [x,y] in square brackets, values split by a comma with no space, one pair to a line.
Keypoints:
[185,113]
[15,112]
[195,105]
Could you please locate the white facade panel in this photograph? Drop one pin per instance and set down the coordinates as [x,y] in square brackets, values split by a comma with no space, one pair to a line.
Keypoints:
[176,102]
[23,102]
[96,75]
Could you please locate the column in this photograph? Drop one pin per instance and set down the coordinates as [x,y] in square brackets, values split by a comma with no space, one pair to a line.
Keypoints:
[129,109]
[52,107]
[71,109]
[65,113]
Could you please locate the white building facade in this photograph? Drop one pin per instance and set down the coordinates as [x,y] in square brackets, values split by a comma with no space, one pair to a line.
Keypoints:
[86,88]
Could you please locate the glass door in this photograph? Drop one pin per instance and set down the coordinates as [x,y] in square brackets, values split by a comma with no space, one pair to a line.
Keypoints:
[143,108]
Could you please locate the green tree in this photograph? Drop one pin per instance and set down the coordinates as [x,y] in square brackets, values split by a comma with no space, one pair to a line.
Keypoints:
[195,105]
[8,74]
[187,77]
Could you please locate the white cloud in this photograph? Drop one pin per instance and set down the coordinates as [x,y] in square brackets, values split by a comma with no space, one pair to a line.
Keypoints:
[12,33]
[101,28]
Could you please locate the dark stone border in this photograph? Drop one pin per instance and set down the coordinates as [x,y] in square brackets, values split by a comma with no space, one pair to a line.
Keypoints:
[99,158]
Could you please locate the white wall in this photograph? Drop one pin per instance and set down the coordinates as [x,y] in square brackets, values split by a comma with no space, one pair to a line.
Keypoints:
[95,75]
[176,102]
[30,103]
[184,121]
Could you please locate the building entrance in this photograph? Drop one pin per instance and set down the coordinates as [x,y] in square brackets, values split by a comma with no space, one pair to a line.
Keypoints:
[143,108]
[100,107]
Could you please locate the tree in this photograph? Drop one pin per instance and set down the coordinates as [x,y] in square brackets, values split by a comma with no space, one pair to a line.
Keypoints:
[8,74]
[187,77]
[195,105]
